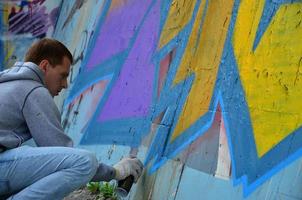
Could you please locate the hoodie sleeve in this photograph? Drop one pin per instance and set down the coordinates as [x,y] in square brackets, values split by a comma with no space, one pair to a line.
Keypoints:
[43,119]
[104,173]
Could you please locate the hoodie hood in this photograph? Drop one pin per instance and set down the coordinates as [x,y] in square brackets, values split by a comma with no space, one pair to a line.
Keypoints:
[22,71]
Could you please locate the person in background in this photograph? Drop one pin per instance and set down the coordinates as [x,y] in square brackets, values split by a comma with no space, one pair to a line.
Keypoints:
[54,168]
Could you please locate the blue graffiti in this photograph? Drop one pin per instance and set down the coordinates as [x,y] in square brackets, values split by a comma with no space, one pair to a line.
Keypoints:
[247,168]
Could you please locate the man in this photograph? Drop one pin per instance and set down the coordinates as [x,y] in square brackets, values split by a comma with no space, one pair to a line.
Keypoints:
[53,169]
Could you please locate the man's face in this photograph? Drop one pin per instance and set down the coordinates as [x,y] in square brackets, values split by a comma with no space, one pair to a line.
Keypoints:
[56,76]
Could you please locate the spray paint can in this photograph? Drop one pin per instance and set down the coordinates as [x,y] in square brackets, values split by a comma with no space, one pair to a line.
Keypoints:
[124,186]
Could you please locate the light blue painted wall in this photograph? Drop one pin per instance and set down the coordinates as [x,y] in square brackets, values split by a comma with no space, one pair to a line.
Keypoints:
[189,172]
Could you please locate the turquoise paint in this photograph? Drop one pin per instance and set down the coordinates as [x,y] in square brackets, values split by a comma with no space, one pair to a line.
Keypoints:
[247,169]
[208,187]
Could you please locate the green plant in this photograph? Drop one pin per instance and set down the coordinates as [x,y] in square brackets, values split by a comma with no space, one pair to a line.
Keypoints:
[108,191]
[104,190]
[93,187]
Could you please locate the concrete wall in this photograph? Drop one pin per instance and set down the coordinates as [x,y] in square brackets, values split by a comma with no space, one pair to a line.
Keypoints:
[206,93]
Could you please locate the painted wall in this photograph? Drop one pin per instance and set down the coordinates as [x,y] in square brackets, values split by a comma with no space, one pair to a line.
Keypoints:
[23,22]
[206,93]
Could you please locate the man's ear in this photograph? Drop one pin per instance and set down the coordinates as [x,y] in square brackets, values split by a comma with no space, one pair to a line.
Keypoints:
[44,65]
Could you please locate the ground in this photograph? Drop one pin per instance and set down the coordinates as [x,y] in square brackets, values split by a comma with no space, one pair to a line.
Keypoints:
[82,194]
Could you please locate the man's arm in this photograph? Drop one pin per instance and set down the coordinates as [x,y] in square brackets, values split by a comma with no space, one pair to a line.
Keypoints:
[43,119]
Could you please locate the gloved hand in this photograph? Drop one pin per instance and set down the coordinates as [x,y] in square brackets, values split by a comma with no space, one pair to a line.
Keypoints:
[127,167]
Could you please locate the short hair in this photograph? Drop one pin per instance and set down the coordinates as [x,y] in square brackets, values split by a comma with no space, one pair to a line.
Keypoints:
[49,49]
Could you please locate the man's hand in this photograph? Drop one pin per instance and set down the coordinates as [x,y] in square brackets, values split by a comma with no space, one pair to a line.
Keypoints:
[127,167]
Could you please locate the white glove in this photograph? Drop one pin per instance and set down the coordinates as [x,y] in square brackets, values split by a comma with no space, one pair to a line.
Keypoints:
[127,167]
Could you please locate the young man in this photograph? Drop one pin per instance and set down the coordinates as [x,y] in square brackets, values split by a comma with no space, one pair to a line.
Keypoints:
[27,110]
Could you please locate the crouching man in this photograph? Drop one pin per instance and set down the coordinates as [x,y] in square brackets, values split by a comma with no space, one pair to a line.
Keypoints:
[53,169]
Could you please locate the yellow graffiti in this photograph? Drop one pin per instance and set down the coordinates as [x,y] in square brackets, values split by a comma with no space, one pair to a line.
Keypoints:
[8,44]
[202,57]
[270,75]
[8,50]
[179,15]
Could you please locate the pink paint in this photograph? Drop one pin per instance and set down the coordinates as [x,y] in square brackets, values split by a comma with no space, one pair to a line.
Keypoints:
[164,67]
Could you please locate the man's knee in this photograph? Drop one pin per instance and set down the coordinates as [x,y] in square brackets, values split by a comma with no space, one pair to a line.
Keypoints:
[87,164]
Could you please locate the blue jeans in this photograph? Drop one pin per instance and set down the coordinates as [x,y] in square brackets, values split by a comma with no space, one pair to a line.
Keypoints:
[44,172]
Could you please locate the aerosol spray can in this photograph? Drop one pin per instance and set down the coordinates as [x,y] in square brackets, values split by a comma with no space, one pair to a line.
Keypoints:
[124,186]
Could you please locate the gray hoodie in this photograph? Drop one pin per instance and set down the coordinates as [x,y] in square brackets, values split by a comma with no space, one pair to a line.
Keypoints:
[27,110]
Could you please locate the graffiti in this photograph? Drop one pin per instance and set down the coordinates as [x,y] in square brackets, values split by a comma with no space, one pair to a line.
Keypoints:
[78,54]
[279,81]
[271,125]
[31,17]
[176,62]
[76,6]
[132,64]
[23,21]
